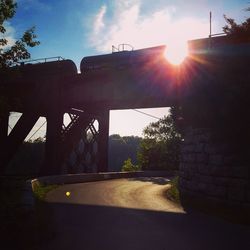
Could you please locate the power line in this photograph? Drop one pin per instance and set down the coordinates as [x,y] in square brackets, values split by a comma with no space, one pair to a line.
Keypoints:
[155,117]
[37,130]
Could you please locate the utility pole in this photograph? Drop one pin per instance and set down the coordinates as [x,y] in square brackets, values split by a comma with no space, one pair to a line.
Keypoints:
[210,23]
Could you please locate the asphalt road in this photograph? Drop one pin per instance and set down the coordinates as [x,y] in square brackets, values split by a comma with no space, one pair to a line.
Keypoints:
[134,214]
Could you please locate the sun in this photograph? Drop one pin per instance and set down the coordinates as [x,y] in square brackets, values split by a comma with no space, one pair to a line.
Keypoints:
[176,52]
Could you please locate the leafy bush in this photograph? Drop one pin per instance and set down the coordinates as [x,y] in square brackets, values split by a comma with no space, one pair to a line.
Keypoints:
[40,191]
[128,166]
[173,192]
[122,148]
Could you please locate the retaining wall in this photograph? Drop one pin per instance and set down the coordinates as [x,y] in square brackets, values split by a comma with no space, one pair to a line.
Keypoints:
[212,176]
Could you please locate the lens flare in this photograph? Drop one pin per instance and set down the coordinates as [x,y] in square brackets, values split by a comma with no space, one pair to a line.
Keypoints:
[176,53]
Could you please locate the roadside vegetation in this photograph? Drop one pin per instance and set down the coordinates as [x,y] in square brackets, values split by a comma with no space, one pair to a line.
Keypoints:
[40,191]
[128,166]
[121,148]
[173,192]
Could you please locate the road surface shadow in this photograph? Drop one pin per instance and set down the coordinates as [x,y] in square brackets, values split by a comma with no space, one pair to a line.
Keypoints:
[94,227]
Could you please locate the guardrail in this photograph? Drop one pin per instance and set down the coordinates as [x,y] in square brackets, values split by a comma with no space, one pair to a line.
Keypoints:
[80,178]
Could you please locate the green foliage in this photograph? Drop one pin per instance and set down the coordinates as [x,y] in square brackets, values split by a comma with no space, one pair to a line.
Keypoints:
[10,55]
[159,150]
[122,148]
[173,192]
[128,166]
[40,191]
[235,30]
[7,11]
[162,130]
[238,31]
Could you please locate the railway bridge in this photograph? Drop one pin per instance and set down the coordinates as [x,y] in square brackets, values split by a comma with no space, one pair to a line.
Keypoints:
[121,80]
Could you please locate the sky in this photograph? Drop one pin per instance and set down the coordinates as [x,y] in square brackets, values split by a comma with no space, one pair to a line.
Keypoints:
[78,28]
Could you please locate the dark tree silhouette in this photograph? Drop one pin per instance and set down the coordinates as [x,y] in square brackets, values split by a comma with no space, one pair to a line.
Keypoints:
[159,150]
[237,30]
[11,54]
[18,51]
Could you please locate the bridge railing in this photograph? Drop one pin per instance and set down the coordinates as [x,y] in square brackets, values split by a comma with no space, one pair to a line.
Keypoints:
[40,60]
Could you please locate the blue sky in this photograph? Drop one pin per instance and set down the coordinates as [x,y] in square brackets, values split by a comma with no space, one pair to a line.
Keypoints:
[78,28]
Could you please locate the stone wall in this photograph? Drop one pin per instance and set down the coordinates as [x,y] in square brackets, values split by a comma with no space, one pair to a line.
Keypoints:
[212,176]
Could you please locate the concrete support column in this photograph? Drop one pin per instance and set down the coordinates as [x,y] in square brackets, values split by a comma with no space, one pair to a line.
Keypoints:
[4,123]
[103,141]
[53,144]
[54,117]
[15,139]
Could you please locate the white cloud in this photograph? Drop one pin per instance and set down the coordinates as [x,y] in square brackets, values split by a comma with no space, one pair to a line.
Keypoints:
[129,25]
[99,19]
[9,35]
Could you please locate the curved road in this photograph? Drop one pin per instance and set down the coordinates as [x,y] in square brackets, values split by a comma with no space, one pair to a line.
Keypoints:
[134,214]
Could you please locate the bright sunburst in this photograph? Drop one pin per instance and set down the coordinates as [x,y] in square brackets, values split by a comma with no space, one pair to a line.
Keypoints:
[175,53]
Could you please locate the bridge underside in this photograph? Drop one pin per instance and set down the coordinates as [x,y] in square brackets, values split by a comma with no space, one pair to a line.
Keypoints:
[73,148]
[87,98]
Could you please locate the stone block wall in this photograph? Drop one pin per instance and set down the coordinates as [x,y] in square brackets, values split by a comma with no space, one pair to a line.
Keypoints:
[212,174]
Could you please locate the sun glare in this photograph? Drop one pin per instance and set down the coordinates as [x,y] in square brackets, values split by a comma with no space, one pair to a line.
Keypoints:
[175,53]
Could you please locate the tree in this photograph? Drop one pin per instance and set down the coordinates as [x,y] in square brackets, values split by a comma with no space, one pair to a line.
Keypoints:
[122,148]
[28,159]
[129,166]
[238,31]
[159,150]
[162,130]
[9,55]
[12,54]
